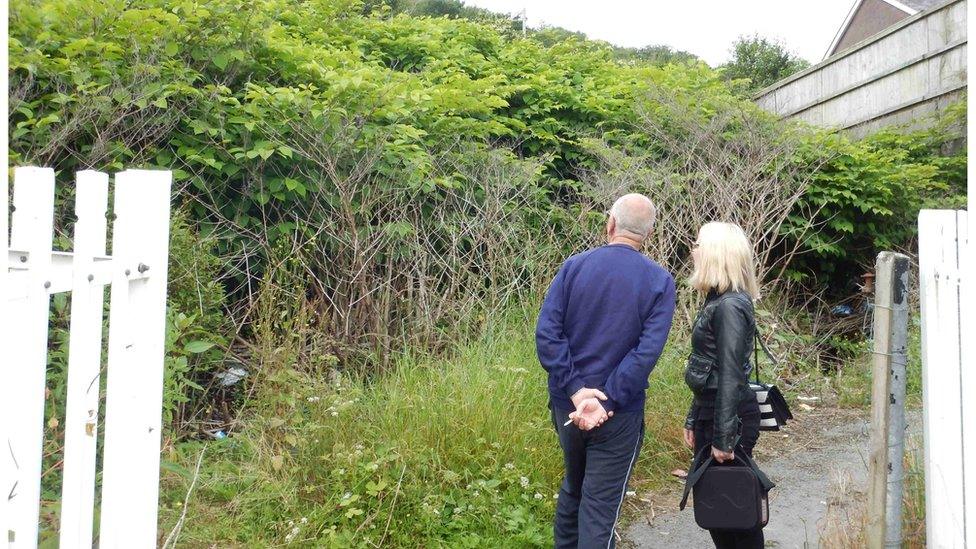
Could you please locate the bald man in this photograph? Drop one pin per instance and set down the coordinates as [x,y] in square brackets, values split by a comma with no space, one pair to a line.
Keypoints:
[600,332]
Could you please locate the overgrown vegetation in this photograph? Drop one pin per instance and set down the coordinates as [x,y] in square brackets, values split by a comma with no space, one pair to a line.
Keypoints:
[361,190]
[452,452]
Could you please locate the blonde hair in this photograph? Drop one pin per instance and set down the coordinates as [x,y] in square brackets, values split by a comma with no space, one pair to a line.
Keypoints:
[724,261]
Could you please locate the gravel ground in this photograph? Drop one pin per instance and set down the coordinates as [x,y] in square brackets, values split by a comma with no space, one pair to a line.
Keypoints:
[813,456]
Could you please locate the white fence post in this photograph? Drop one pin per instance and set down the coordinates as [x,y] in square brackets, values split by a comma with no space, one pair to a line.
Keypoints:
[968,320]
[6,471]
[948,389]
[30,271]
[130,480]
[26,348]
[84,363]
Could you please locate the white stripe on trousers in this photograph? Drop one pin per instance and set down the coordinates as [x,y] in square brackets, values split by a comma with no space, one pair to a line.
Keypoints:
[623,492]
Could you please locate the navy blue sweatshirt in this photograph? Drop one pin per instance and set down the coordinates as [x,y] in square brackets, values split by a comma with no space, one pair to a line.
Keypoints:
[603,325]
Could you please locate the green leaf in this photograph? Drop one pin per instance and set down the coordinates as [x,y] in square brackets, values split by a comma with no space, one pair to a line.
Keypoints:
[198,346]
[171,49]
[221,60]
[175,468]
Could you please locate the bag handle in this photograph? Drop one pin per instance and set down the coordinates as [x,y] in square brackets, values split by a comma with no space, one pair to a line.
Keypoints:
[740,455]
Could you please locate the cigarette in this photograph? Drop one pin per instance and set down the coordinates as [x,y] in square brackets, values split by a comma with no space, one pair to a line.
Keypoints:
[568,421]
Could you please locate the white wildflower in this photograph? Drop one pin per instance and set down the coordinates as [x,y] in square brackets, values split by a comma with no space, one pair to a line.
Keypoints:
[313,399]
[537,495]
[509,466]
[304,520]
[335,414]
[524,481]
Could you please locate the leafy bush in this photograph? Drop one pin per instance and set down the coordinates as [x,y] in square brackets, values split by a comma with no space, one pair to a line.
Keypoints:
[866,196]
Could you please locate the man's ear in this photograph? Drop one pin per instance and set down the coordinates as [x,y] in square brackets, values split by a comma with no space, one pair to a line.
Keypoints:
[611,226]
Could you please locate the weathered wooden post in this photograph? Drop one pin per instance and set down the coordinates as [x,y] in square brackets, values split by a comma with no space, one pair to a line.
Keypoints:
[885,474]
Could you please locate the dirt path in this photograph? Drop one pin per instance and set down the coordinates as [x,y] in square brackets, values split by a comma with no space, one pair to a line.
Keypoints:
[814,456]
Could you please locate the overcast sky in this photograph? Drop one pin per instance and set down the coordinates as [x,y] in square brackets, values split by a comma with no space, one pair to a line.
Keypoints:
[705,28]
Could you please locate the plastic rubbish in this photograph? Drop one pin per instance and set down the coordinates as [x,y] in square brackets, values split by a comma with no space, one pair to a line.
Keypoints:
[842,310]
[232,376]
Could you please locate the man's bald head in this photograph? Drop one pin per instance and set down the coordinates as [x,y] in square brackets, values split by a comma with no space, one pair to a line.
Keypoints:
[633,216]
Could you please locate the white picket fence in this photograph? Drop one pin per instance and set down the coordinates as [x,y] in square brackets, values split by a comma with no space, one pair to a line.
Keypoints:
[948,378]
[30,272]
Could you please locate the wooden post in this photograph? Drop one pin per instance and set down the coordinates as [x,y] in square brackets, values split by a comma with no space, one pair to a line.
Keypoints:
[887,428]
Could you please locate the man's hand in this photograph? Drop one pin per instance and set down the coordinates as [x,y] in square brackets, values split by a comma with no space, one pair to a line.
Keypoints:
[690,438]
[589,414]
[586,393]
[721,456]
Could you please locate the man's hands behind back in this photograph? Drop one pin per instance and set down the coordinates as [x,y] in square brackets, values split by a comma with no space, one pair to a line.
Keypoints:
[589,412]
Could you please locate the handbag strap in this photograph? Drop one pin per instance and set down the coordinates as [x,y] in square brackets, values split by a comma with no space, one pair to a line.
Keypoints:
[698,469]
[760,343]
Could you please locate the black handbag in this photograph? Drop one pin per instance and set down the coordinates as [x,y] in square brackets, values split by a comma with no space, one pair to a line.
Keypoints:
[732,496]
[773,409]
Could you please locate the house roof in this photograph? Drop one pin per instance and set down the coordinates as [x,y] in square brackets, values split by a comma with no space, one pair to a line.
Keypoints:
[910,7]
[921,5]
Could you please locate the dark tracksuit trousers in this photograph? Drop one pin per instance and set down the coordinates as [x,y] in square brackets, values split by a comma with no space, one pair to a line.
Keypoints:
[748,435]
[598,464]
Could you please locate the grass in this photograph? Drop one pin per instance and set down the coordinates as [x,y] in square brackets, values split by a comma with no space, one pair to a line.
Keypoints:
[846,517]
[853,382]
[450,452]
[845,523]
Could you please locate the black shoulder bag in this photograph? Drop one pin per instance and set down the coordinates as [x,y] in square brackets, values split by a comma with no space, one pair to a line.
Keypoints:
[732,497]
[773,409]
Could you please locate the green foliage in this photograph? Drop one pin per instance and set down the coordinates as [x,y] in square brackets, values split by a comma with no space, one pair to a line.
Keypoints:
[854,380]
[657,55]
[229,94]
[761,62]
[195,322]
[866,197]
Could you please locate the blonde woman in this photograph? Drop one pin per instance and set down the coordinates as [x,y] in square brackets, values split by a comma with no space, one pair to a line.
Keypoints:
[724,408]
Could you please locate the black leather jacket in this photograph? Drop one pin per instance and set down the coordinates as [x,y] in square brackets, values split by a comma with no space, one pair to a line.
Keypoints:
[722,340]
